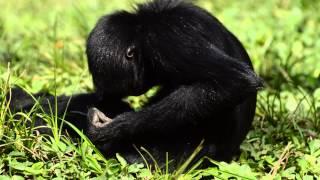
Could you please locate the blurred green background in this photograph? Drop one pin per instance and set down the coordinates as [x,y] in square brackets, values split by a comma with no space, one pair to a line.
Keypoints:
[42,47]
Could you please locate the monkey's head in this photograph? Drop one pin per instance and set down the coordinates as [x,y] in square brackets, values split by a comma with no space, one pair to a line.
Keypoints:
[115,56]
[120,49]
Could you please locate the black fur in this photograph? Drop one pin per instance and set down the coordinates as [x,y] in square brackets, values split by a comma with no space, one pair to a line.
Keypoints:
[208,87]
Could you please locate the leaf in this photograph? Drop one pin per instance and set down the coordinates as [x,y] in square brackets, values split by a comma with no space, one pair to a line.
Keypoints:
[314,146]
[145,174]
[307,177]
[121,160]
[17,154]
[289,173]
[15,177]
[135,168]
[18,165]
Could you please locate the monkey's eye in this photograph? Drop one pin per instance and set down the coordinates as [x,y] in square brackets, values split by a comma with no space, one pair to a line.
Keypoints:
[130,53]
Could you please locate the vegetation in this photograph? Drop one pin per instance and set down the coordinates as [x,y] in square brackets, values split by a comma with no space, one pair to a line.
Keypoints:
[42,49]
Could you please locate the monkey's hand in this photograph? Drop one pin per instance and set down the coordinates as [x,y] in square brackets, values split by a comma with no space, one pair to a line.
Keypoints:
[97,118]
[98,125]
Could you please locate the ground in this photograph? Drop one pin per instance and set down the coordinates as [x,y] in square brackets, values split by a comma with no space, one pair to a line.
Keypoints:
[42,48]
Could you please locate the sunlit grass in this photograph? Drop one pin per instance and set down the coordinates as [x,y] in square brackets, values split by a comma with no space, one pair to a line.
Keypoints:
[42,48]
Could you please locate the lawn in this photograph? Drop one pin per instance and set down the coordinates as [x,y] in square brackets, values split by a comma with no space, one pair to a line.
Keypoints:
[42,48]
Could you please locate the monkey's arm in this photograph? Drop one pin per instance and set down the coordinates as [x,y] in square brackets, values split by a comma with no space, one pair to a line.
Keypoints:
[182,109]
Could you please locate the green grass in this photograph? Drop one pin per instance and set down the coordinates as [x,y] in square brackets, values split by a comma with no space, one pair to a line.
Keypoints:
[42,49]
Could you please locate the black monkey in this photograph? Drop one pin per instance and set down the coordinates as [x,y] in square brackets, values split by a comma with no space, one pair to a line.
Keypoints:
[208,87]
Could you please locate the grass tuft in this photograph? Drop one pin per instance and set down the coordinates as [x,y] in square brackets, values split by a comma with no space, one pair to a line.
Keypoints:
[42,49]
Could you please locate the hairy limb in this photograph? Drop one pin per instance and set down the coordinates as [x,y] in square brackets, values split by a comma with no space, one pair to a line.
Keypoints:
[76,108]
[182,110]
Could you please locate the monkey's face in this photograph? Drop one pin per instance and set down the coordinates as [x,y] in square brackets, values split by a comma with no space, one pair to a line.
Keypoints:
[115,58]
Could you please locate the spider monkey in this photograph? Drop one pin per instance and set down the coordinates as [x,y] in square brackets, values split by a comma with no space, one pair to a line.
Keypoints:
[208,86]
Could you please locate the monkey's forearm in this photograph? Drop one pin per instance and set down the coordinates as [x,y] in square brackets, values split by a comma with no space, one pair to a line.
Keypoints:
[184,107]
